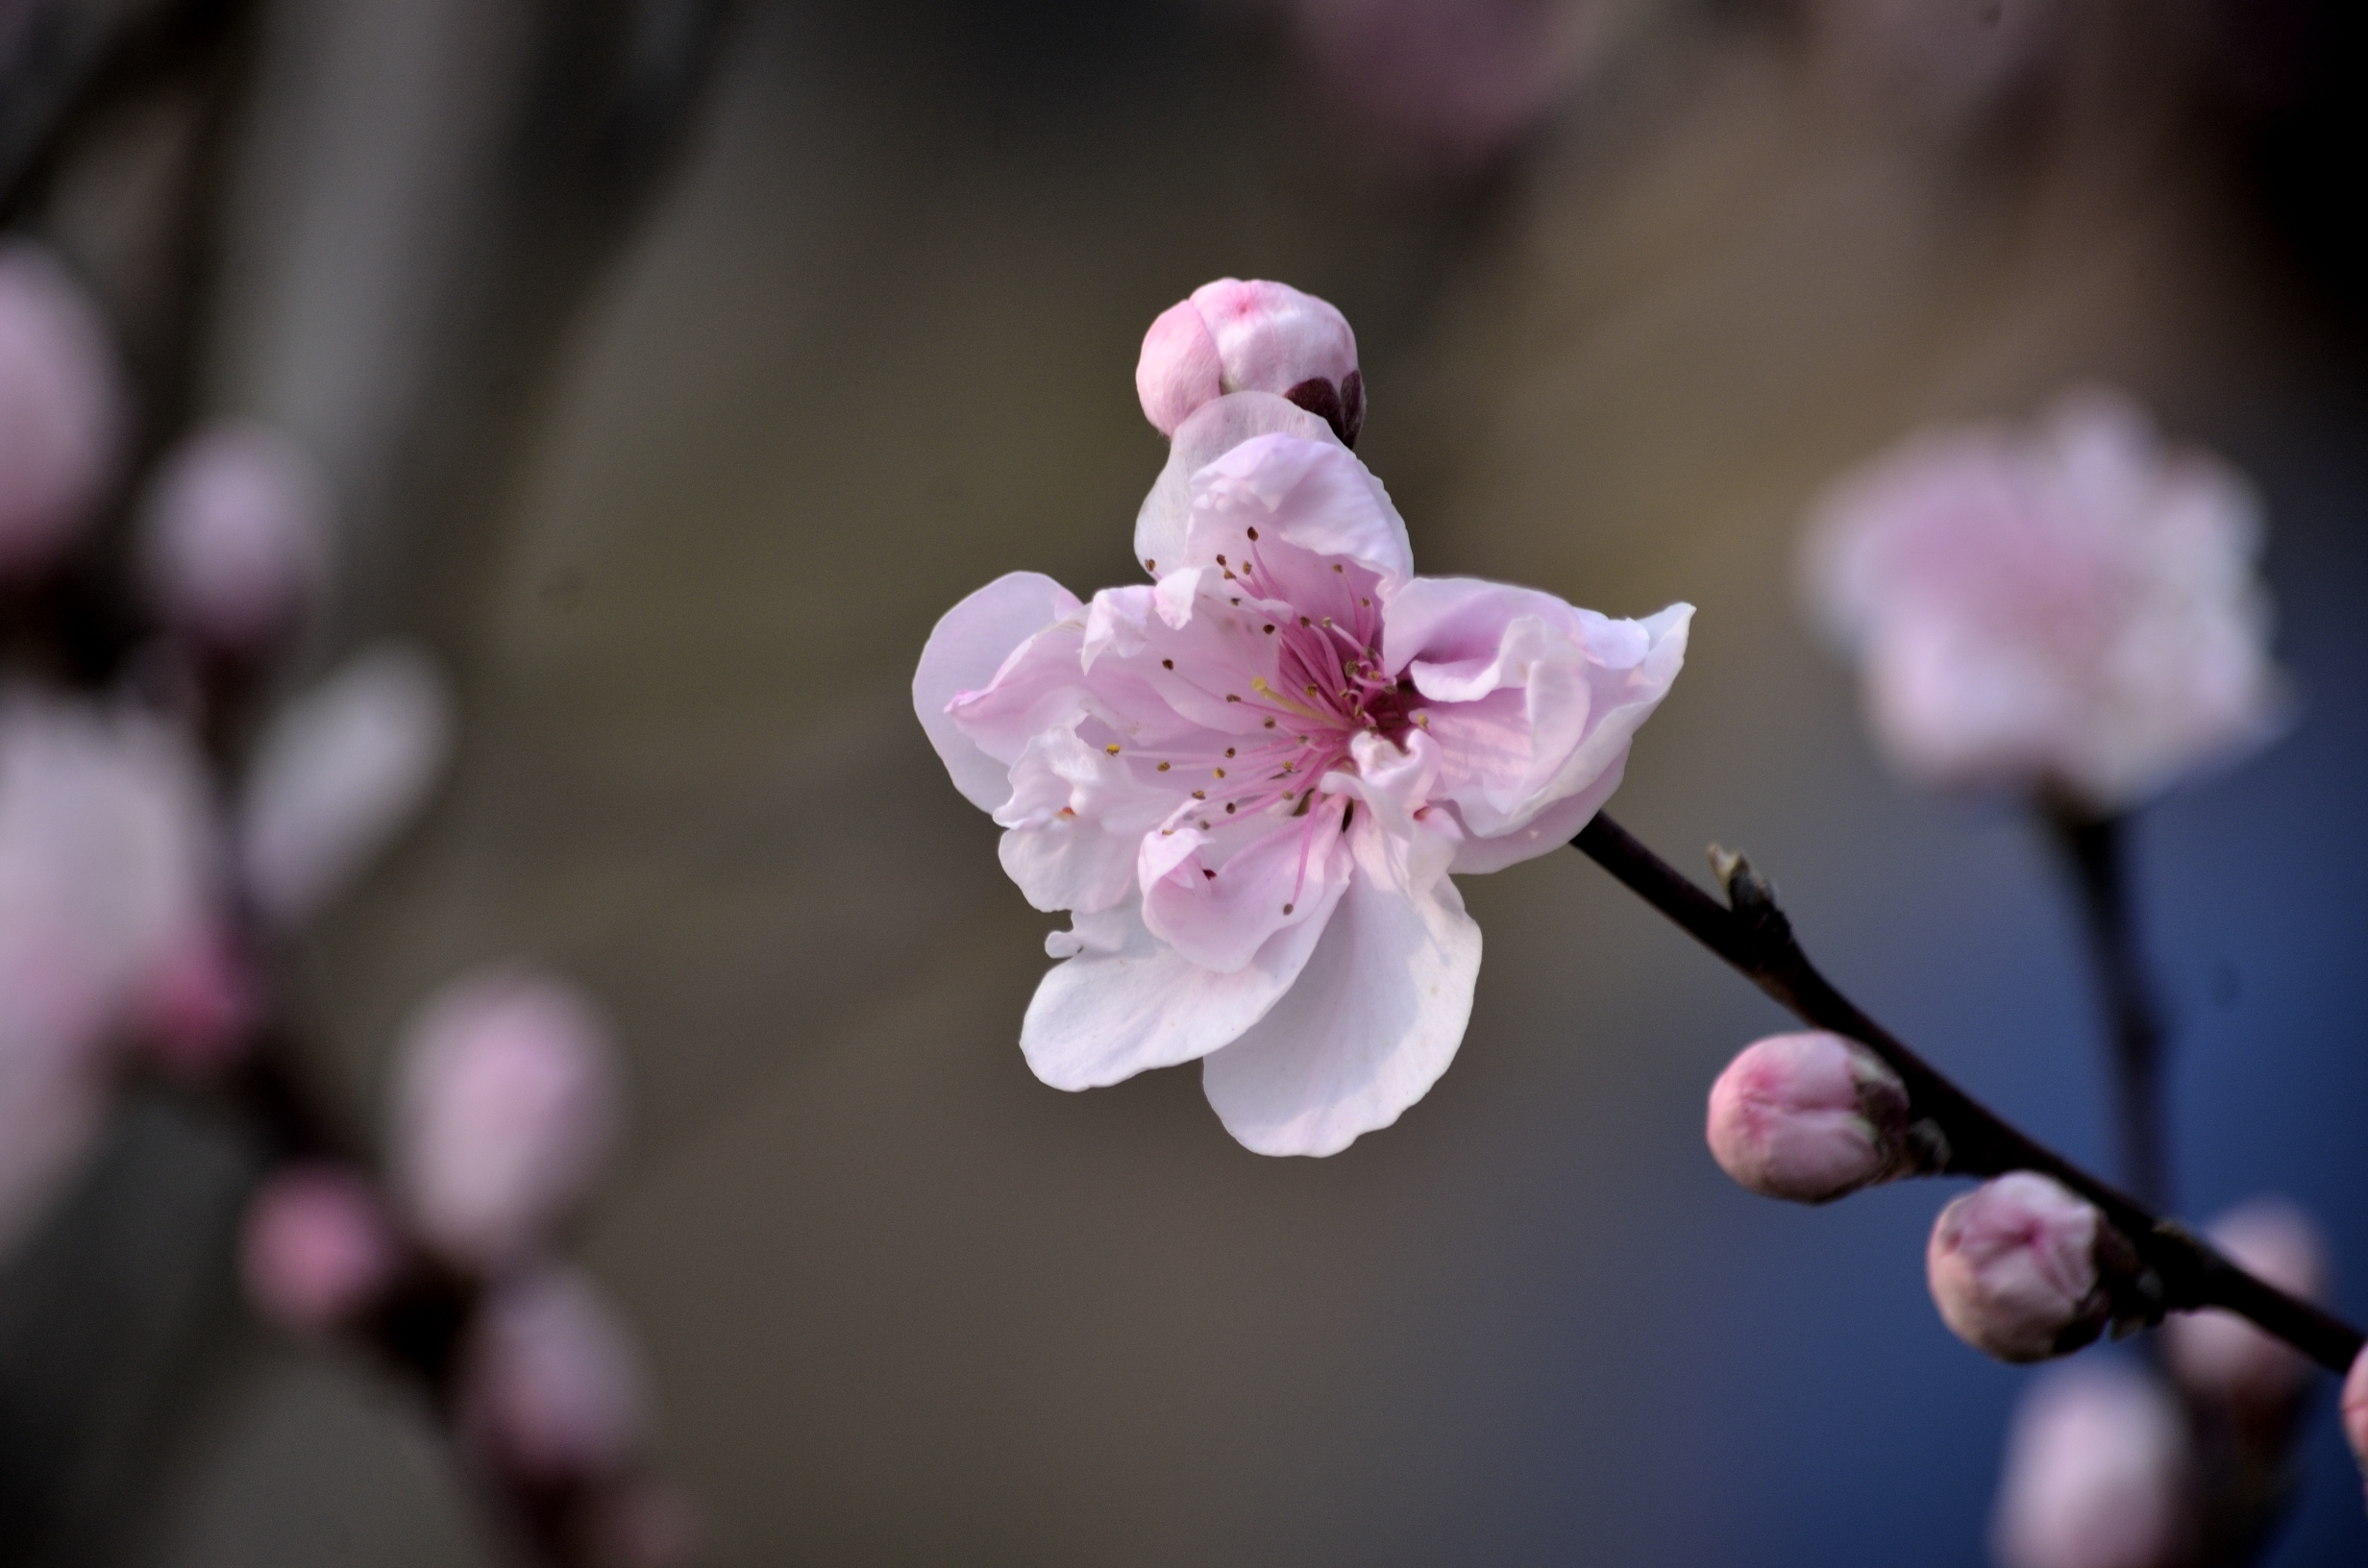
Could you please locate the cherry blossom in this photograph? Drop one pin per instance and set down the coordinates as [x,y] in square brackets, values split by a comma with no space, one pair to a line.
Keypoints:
[2070,609]
[1249,780]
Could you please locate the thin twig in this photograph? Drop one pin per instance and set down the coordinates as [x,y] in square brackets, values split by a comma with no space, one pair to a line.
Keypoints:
[2178,1271]
[2093,849]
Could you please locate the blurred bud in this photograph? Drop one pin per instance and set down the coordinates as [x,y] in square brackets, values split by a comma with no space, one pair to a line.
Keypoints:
[2069,609]
[236,536]
[2220,1357]
[341,770]
[317,1247]
[2356,1408]
[2012,1266]
[639,1522]
[62,408]
[1809,1118]
[551,1387]
[2096,1474]
[506,1105]
[197,1009]
[1233,336]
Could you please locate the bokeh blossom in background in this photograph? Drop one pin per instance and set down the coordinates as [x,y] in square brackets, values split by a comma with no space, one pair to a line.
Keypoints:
[2071,609]
[1249,780]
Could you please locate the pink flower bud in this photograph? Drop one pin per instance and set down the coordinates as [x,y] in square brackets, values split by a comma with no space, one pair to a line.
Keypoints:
[505,1104]
[2356,1408]
[1235,336]
[236,536]
[2219,1355]
[317,1247]
[2012,1266]
[341,770]
[199,1007]
[1809,1118]
[62,408]
[551,1387]
[2096,1470]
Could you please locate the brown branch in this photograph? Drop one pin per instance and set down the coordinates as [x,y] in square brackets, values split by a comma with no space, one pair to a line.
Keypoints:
[2178,1270]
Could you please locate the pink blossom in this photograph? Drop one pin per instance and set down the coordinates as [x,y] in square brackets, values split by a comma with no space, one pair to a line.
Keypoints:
[236,536]
[62,408]
[2097,1471]
[1249,782]
[1809,1118]
[339,774]
[504,1106]
[2070,609]
[1232,337]
[550,1384]
[107,863]
[2012,1266]
[198,1008]
[2219,1355]
[317,1247]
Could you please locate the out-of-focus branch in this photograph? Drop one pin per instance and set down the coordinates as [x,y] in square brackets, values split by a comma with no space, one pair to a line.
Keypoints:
[2178,1271]
[2093,847]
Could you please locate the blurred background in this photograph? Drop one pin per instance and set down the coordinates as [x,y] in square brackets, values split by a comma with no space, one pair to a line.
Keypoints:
[675,365]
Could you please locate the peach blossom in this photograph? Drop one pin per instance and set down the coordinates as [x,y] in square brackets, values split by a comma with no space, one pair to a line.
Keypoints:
[2012,1266]
[1808,1117]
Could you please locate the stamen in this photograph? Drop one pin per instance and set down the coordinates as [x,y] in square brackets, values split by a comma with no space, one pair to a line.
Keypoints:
[1112,749]
[1150,565]
[1163,767]
[1200,795]
[1205,871]
[1253,533]
[1269,629]
[1270,724]
[1232,698]
[1228,808]
[1287,909]
[1221,560]
[1337,566]
[1219,771]
[1230,750]
[1166,664]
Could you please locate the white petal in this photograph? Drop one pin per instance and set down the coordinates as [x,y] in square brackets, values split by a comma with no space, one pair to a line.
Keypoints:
[967,646]
[1214,429]
[1128,1002]
[1373,1020]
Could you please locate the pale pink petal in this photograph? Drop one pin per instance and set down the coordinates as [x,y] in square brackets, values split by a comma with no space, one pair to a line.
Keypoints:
[1124,1002]
[1374,1018]
[965,650]
[1179,370]
[1271,338]
[1218,910]
[1075,818]
[1214,429]
[1312,497]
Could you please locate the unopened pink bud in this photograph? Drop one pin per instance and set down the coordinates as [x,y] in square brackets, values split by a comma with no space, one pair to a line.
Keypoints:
[2219,1355]
[2012,1266]
[236,536]
[1809,1118]
[551,1385]
[2096,1469]
[338,772]
[1236,337]
[199,1007]
[62,408]
[317,1247]
[505,1106]
[2356,1408]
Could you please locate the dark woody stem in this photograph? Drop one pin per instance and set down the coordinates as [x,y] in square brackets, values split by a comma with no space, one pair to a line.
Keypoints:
[2093,847]
[2178,1271]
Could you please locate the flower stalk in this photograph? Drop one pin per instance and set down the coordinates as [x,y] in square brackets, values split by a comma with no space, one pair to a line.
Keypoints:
[2177,1270]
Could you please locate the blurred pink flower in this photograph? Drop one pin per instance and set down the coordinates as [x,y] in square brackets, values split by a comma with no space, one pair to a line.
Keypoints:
[341,770]
[317,1247]
[2221,1356]
[107,863]
[1808,1117]
[1249,782]
[551,1387]
[198,1008]
[505,1104]
[1232,337]
[2356,1408]
[2096,1474]
[1442,86]
[62,408]
[236,536]
[2070,609]
[2012,1266]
